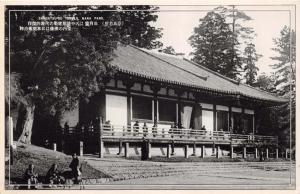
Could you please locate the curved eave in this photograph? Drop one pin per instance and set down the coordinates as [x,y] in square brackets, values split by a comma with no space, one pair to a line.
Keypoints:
[197,87]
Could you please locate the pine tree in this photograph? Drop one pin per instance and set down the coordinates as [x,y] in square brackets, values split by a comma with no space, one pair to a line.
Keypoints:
[250,58]
[285,82]
[213,46]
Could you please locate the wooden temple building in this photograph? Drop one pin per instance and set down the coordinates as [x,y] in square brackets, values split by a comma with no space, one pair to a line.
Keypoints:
[169,101]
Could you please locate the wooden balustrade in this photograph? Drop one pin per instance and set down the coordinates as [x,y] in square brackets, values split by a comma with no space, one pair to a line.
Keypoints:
[174,133]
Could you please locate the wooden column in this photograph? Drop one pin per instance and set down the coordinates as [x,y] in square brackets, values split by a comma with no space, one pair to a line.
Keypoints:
[179,105]
[126,150]
[128,83]
[101,145]
[231,151]
[229,120]
[276,154]
[215,117]
[218,152]
[194,149]
[186,148]
[267,153]
[202,151]
[155,90]
[255,153]
[244,152]
[120,147]
[169,151]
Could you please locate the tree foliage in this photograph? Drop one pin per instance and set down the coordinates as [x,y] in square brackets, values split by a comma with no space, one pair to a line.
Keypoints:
[284,66]
[250,58]
[212,43]
[58,68]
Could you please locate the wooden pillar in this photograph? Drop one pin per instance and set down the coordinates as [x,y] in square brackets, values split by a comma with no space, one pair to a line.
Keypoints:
[186,148]
[101,145]
[120,147]
[267,153]
[255,153]
[229,120]
[81,148]
[231,151]
[54,147]
[202,151]
[215,117]
[169,151]
[276,154]
[155,90]
[126,150]
[179,107]
[194,149]
[128,83]
[244,152]
[149,149]
[218,152]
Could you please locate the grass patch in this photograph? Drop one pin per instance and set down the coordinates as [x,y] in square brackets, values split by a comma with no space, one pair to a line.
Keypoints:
[43,159]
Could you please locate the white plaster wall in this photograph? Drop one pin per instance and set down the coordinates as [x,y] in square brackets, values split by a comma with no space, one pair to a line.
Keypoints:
[116,109]
[208,120]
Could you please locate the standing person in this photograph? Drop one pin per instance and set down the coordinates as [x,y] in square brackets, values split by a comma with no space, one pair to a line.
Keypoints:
[74,165]
[136,128]
[145,129]
[30,176]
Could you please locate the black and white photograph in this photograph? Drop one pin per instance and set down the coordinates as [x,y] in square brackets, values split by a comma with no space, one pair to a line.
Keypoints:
[150,97]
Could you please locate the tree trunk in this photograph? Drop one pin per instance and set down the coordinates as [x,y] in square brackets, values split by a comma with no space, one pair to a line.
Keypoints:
[27,125]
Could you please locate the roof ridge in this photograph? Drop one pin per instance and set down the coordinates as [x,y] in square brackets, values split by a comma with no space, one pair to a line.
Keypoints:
[199,76]
[231,80]
[211,71]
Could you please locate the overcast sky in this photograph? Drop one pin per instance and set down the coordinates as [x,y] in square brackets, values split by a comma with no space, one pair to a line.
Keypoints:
[178,24]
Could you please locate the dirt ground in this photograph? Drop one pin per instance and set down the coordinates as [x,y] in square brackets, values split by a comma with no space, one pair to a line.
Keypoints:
[133,174]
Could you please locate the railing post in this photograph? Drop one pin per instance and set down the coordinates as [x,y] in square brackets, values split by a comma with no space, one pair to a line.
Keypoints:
[149,149]
[244,152]
[276,153]
[267,153]
[54,147]
[286,154]
[101,146]
[255,153]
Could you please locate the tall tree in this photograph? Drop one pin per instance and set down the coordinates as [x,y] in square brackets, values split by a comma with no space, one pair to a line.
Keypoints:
[138,25]
[250,58]
[58,68]
[213,46]
[284,66]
